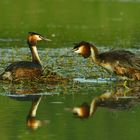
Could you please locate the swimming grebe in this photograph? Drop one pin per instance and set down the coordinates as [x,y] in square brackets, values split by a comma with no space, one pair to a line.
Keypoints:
[120,62]
[26,69]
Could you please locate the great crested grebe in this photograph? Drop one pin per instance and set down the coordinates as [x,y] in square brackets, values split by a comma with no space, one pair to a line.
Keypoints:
[32,121]
[26,69]
[120,62]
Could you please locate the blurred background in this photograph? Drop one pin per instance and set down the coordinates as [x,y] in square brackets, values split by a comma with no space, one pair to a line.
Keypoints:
[111,23]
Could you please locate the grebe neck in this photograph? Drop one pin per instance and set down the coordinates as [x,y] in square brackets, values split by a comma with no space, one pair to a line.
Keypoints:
[93,106]
[34,107]
[94,53]
[35,56]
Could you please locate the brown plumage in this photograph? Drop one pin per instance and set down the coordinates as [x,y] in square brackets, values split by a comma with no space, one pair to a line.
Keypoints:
[26,69]
[121,62]
[83,111]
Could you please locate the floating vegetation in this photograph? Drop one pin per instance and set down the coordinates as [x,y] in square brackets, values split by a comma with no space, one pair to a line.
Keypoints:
[63,73]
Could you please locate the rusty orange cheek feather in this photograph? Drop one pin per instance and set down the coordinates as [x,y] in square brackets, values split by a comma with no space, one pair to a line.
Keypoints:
[83,51]
[34,38]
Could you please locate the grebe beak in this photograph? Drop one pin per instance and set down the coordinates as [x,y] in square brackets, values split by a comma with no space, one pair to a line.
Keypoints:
[75,49]
[44,38]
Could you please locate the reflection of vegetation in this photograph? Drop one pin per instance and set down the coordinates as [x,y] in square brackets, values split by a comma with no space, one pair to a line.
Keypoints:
[120,98]
[42,87]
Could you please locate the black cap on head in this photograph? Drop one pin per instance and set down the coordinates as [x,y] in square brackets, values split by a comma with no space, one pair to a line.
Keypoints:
[82,43]
[33,33]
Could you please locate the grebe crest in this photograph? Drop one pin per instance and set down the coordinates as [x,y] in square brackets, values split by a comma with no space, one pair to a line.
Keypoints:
[33,38]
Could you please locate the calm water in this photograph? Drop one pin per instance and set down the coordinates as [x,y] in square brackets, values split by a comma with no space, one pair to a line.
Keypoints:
[107,24]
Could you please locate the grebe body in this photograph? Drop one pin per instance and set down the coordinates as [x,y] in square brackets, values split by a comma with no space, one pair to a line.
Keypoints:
[26,69]
[21,70]
[120,62]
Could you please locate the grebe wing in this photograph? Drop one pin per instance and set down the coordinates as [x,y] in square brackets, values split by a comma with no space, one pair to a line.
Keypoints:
[123,58]
[113,55]
[22,64]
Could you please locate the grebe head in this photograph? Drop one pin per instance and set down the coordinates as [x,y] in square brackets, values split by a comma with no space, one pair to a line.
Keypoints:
[33,38]
[83,111]
[83,48]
